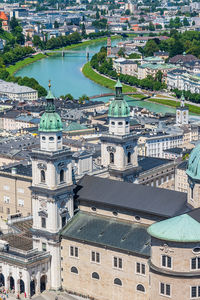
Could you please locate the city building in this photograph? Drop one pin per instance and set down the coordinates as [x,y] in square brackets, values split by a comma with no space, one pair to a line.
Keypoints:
[182,113]
[182,80]
[17,92]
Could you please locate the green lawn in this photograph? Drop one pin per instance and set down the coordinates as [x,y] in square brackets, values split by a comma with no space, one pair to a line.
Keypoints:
[192,108]
[100,79]
[12,69]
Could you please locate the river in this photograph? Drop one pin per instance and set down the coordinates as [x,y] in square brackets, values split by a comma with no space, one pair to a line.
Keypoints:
[66,76]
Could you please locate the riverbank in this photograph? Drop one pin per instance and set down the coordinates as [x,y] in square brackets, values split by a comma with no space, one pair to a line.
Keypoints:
[90,73]
[192,108]
[12,69]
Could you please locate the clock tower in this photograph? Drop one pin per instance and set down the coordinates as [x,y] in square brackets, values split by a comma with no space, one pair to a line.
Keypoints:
[119,145]
[182,113]
[52,196]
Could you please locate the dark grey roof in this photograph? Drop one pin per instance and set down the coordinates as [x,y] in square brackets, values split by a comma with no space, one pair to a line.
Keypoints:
[148,163]
[155,201]
[183,165]
[175,150]
[21,169]
[108,232]
[195,214]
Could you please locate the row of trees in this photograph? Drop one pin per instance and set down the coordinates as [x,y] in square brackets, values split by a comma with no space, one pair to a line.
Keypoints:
[105,66]
[177,43]
[195,98]
[14,55]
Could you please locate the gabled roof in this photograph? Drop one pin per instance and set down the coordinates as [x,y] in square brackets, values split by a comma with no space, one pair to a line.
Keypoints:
[154,201]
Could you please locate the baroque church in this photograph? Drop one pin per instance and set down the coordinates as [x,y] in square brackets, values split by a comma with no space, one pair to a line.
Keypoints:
[103,238]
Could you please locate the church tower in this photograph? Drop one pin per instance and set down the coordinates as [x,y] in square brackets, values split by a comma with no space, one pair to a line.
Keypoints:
[108,46]
[182,113]
[52,196]
[119,146]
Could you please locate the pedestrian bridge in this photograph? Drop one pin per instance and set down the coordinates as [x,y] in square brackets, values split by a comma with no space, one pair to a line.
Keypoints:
[113,94]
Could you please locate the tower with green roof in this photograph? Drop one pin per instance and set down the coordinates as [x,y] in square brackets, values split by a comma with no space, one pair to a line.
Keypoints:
[50,126]
[119,146]
[182,112]
[52,190]
[193,173]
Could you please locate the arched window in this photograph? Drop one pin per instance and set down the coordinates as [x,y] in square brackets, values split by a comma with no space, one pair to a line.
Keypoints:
[43,176]
[140,288]
[61,175]
[43,138]
[112,158]
[120,123]
[51,138]
[112,123]
[74,270]
[129,157]
[95,275]
[59,137]
[117,281]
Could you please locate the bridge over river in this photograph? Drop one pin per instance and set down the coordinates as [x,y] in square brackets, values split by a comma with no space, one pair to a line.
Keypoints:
[126,94]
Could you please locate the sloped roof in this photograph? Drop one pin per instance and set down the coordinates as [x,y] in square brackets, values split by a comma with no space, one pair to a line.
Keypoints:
[151,200]
[99,230]
[182,228]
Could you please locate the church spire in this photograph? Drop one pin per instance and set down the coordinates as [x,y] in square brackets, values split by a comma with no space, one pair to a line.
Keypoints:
[182,100]
[118,90]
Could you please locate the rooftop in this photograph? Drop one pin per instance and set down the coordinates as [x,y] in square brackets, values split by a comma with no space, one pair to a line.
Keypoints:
[183,228]
[99,230]
[154,201]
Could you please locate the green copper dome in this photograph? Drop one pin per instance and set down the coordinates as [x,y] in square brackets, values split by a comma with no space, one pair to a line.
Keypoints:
[193,169]
[182,229]
[118,107]
[50,120]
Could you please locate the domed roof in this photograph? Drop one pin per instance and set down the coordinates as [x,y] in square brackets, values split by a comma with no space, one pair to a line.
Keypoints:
[50,120]
[118,107]
[193,169]
[182,228]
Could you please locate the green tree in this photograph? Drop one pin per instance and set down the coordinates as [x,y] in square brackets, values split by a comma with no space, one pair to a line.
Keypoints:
[151,26]
[185,22]
[127,12]
[56,24]
[150,48]
[159,76]
[121,52]
[83,31]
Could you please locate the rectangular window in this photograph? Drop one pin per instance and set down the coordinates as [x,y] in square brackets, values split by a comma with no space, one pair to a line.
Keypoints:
[117,262]
[44,247]
[166,261]
[20,202]
[6,199]
[6,188]
[73,252]
[43,221]
[20,190]
[95,257]
[140,268]
[8,211]
[195,291]
[165,289]
[195,263]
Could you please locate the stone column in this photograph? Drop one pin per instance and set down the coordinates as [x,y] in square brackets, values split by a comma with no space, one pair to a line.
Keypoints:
[27,284]
[37,288]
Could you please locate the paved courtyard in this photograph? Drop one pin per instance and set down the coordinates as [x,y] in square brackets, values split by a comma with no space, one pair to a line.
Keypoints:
[47,296]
